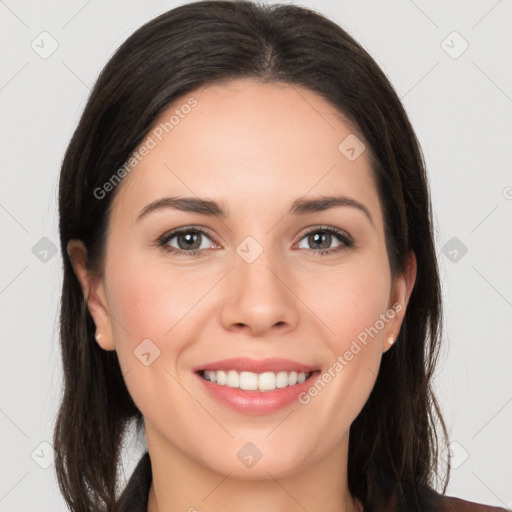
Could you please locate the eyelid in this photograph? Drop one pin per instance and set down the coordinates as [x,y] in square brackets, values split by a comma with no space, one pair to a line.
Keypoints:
[185,229]
[331,229]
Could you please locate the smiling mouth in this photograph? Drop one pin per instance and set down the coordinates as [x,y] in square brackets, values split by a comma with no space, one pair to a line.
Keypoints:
[249,381]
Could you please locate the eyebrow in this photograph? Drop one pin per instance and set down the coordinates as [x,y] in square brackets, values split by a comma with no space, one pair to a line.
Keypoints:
[215,209]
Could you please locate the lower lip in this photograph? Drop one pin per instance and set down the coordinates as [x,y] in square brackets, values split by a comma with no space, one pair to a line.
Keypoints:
[257,402]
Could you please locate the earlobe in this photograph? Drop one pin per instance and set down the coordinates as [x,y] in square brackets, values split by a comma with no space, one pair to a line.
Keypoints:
[401,293]
[93,293]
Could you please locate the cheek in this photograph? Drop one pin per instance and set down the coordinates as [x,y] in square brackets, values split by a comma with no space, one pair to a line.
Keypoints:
[350,300]
[151,311]
[353,303]
[150,299]
[151,307]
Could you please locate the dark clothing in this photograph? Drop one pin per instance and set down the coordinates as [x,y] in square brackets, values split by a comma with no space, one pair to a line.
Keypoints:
[135,495]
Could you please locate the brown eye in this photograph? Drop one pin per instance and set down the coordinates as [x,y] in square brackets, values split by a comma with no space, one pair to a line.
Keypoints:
[322,239]
[186,241]
[189,240]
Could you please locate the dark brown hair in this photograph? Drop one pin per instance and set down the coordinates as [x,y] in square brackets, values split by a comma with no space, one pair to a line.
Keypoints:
[393,445]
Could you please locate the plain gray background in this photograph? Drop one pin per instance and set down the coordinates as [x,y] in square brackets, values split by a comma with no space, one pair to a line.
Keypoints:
[459,100]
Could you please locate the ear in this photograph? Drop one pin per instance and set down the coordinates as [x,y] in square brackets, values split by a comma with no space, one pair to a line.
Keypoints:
[399,298]
[94,292]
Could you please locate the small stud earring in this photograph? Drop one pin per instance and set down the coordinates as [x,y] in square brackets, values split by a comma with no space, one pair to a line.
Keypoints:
[98,337]
[391,339]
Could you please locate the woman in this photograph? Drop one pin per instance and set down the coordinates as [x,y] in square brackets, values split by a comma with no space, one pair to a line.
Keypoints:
[249,274]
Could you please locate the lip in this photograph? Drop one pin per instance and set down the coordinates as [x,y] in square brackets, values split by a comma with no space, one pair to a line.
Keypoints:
[256,402]
[246,364]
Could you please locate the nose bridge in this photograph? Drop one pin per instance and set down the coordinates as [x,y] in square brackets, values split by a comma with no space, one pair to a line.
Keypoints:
[259,275]
[257,296]
[255,270]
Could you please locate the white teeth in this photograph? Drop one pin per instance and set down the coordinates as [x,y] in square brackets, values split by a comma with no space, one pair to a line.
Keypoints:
[281,380]
[233,379]
[250,381]
[267,381]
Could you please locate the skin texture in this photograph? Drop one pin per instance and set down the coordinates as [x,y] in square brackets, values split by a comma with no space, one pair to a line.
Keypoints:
[255,148]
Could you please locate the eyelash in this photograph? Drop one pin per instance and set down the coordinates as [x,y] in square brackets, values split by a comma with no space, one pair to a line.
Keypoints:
[346,241]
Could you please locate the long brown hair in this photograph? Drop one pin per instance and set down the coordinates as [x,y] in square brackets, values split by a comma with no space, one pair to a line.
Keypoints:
[393,447]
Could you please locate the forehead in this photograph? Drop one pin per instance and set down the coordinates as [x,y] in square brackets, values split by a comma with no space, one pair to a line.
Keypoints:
[251,145]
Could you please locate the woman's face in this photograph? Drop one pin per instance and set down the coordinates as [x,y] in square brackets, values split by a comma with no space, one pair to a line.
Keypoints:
[251,294]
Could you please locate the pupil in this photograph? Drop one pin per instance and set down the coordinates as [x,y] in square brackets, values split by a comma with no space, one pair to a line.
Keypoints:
[190,240]
[313,239]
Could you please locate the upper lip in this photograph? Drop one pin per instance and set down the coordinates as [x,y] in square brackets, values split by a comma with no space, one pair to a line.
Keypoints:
[245,364]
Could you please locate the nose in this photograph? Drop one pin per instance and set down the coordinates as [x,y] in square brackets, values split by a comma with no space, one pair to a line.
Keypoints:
[259,297]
